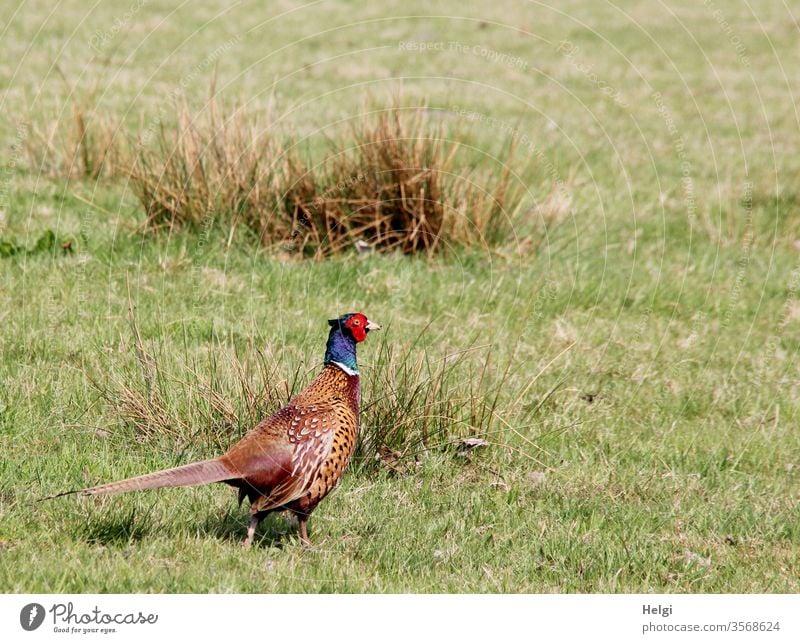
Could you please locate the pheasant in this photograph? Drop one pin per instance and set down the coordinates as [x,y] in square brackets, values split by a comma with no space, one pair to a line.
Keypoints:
[295,457]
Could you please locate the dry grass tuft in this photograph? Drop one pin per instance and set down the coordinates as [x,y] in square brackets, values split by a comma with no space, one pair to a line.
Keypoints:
[202,406]
[214,166]
[395,181]
[413,405]
[402,184]
[79,142]
[397,185]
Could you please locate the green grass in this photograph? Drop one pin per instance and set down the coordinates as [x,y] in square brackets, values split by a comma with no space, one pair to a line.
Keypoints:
[645,434]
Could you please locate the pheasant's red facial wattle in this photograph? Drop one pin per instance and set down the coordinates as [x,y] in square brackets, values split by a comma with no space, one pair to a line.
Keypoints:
[357,324]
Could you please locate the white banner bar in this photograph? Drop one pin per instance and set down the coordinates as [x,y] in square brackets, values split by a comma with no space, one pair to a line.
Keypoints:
[404,618]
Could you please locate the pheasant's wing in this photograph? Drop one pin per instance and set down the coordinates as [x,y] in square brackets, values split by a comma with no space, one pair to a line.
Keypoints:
[311,434]
[282,456]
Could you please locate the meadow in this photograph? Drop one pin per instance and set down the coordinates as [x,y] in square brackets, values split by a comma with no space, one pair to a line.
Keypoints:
[623,340]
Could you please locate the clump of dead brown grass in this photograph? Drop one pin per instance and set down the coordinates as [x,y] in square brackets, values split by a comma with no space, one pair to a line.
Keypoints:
[216,165]
[394,181]
[401,183]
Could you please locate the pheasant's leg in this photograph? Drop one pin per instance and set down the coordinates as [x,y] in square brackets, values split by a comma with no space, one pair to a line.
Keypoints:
[251,530]
[303,531]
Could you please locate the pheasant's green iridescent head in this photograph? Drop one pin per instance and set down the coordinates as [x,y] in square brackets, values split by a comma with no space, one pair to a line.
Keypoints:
[346,332]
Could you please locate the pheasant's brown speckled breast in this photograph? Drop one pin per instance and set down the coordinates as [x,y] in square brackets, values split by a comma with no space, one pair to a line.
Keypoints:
[341,391]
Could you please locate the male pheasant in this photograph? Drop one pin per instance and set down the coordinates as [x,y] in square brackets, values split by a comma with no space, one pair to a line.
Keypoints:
[294,458]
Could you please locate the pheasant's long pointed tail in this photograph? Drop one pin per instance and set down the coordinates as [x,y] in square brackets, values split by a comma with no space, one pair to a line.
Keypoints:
[203,472]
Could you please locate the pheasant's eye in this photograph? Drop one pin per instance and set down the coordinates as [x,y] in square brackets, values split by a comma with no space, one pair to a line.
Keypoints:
[356,322]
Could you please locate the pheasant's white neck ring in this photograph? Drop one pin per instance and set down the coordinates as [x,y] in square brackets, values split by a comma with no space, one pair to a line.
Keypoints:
[347,370]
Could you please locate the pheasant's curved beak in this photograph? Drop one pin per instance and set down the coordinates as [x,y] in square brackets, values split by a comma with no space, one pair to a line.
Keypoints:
[371,325]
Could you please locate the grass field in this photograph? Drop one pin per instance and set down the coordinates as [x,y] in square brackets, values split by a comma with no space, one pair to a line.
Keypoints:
[638,335]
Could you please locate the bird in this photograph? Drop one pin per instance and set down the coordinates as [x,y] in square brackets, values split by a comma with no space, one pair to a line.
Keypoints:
[292,459]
